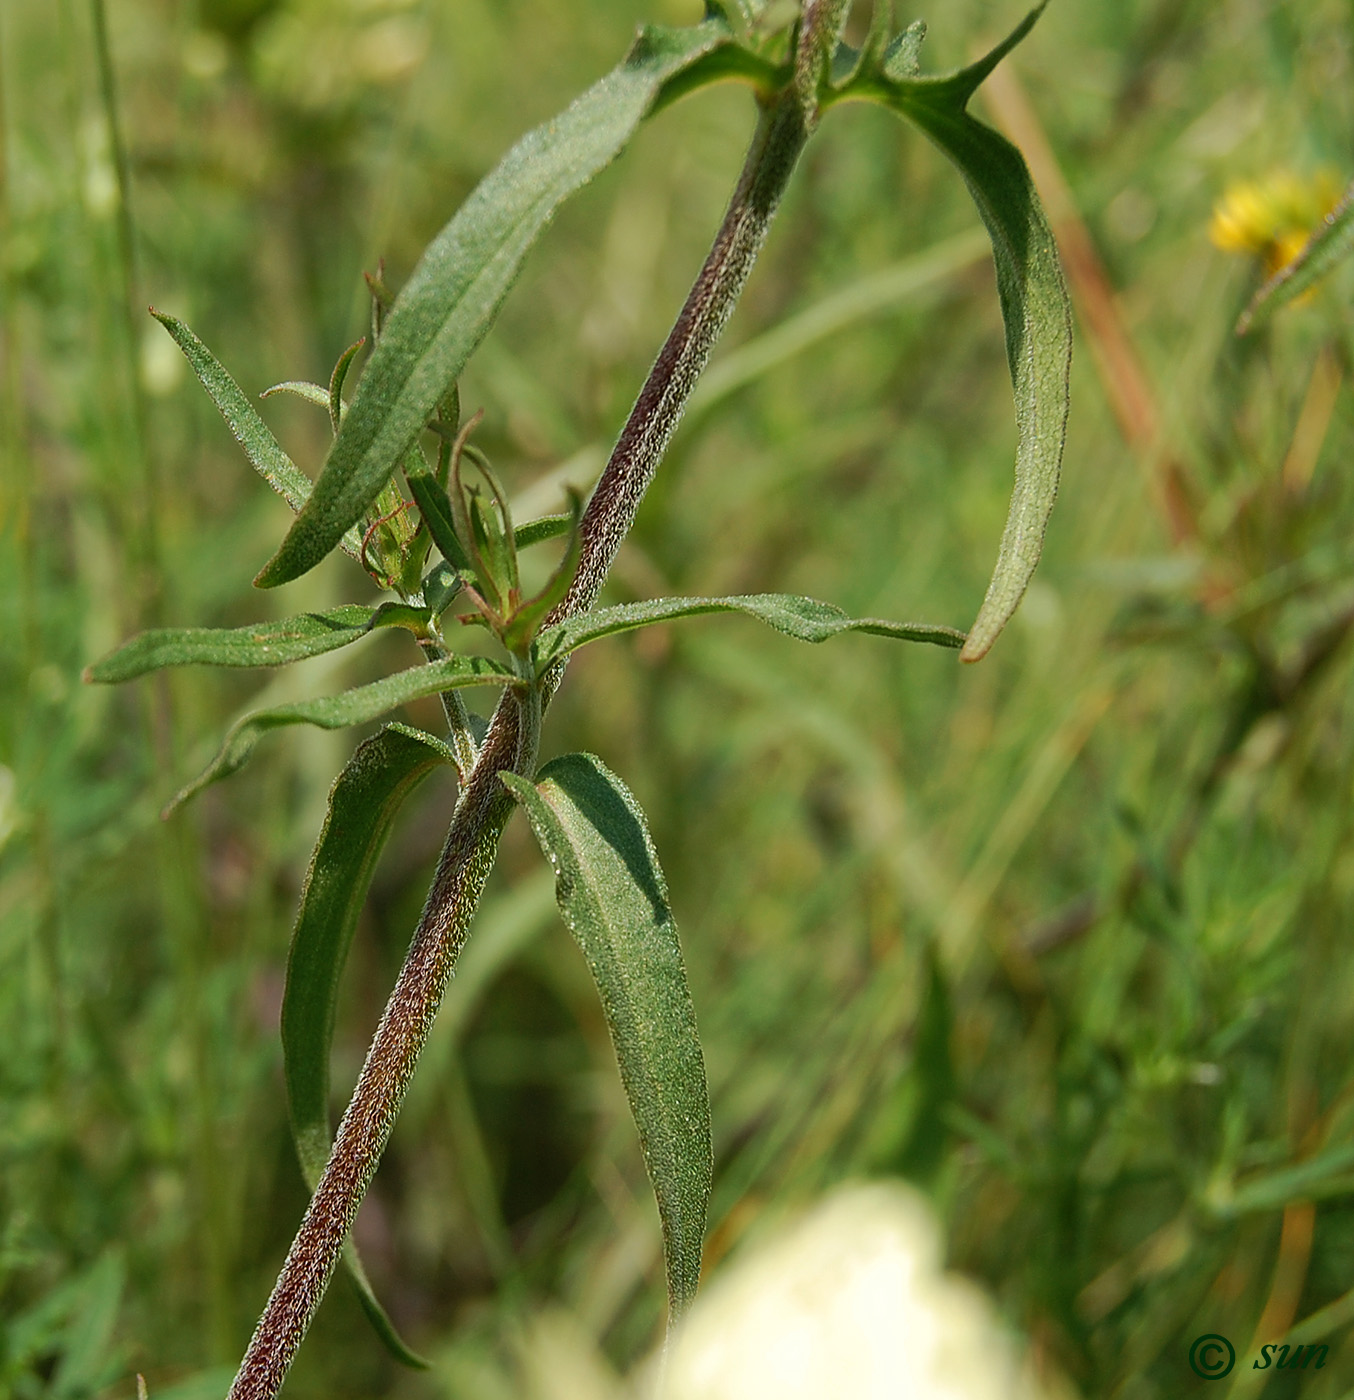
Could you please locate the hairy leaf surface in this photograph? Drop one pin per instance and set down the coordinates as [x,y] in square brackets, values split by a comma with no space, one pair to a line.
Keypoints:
[806,619]
[260,644]
[1034,302]
[613,898]
[250,431]
[357,706]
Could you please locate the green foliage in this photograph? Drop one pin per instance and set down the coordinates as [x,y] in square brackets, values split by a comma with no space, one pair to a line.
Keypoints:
[613,897]
[260,446]
[805,619]
[461,281]
[363,803]
[70,1331]
[821,823]
[357,706]
[608,883]
[1034,300]
[263,644]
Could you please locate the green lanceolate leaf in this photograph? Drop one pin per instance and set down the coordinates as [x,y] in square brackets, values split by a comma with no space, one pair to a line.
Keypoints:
[806,619]
[613,898]
[459,284]
[529,617]
[435,508]
[250,431]
[261,644]
[300,389]
[358,706]
[1327,247]
[381,774]
[1033,294]
[336,379]
[548,527]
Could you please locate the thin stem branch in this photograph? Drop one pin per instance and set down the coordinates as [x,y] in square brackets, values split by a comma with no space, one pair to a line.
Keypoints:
[455,713]
[510,744]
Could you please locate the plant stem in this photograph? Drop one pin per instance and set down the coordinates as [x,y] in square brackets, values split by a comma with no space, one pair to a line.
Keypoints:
[610,513]
[472,841]
[510,745]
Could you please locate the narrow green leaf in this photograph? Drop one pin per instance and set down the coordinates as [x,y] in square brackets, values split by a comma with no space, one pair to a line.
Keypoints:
[613,898]
[1034,302]
[336,379]
[435,508]
[262,644]
[806,619]
[363,802]
[1327,247]
[300,389]
[459,284]
[729,63]
[492,528]
[1318,1178]
[525,621]
[548,527]
[358,706]
[249,430]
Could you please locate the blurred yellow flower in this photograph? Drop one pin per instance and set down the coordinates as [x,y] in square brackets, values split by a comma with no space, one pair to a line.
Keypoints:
[1273,218]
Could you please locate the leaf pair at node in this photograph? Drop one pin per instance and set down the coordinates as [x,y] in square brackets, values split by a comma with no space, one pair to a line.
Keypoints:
[430,331]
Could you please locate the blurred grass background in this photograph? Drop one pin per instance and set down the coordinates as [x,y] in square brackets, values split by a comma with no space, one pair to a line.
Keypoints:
[1059,938]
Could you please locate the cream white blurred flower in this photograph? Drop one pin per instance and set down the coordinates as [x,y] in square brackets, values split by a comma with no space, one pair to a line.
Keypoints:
[849,1302]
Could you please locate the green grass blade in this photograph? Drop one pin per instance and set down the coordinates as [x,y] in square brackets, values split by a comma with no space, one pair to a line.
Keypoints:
[249,430]
[261,644]
[1327,247]
[875,294]
[357,706]
[363,802]
[612,896]
[459,284]
[805,619]
[1034,304]
[1326,1174]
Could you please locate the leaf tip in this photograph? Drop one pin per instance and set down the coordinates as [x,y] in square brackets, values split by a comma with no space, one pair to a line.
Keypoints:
[275,571]
[987,627]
